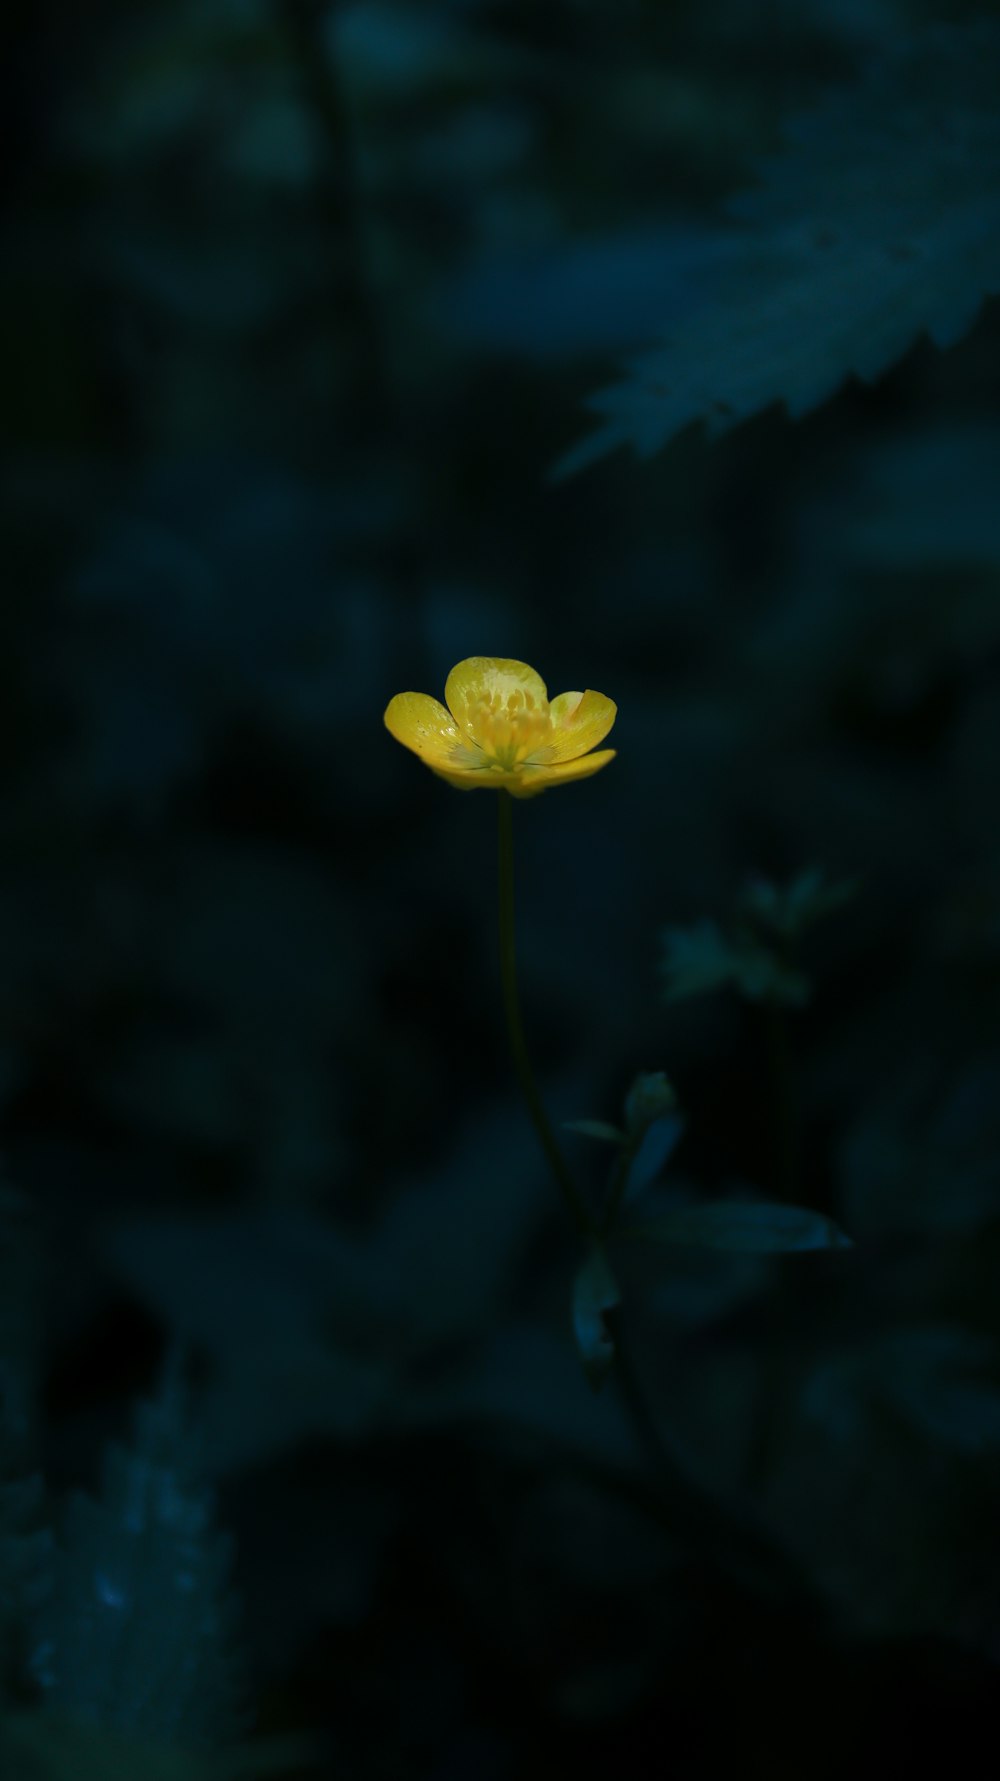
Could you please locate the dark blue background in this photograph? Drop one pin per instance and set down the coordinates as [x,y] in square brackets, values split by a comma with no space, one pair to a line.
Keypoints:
[300,305]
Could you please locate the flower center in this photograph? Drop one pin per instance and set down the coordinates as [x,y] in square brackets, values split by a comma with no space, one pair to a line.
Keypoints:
[509,731]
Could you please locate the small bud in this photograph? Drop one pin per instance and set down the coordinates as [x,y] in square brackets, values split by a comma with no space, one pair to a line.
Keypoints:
[650,1097]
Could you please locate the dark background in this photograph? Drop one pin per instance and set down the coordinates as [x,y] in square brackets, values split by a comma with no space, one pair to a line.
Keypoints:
[300,304]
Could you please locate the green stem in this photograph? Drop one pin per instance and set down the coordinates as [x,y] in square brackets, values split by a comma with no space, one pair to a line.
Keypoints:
[681,1501]
[508,973]
[357,327]
[352,308]
[588,1228]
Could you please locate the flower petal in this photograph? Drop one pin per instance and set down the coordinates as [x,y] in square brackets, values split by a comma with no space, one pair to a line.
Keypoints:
[422,723]
[532,780]
[579,722]
[482,676]
[468,779]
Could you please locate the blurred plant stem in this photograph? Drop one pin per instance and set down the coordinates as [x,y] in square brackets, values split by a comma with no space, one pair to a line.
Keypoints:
[371,417]
[687,1506]
[308,30]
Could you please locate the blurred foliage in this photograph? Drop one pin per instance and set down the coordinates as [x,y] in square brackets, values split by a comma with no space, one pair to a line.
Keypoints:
[756,956]
[300,300]
[134,1633]
[877,224]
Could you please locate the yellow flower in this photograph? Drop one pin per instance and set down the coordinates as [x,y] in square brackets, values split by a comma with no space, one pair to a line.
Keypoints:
[501,731]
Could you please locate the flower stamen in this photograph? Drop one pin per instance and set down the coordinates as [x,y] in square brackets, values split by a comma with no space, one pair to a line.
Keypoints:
[500,729]
[512,732]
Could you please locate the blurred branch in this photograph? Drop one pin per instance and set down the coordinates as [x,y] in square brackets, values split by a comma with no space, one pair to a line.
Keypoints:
[355,309]
[373,413]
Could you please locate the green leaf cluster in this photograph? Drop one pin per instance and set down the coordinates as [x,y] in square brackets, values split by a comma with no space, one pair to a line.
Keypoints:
[755,954]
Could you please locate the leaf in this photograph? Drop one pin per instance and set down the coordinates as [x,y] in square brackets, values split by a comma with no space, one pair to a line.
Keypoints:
[700,959]
[136,1634]
[595,1128]
[751,1227]
[878,223]
[696,960]
[649,1098]
[787,910]
[595,1293]
[658,1144]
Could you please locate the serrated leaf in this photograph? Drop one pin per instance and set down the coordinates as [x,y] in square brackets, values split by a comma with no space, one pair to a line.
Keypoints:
[880,222]
[137,1633]
[595,1293]
[595,1128]
[749,1227]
